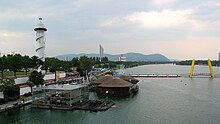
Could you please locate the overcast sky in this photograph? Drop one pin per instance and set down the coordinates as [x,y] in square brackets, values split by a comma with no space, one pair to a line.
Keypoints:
[178,29]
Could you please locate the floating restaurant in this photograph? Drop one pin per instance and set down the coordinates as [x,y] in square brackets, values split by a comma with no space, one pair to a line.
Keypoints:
[114,86]
[94,84]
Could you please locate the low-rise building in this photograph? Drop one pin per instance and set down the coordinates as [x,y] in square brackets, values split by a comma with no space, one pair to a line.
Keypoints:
[49,79]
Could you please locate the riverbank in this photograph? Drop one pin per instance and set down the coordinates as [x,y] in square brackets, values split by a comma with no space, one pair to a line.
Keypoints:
[15,104]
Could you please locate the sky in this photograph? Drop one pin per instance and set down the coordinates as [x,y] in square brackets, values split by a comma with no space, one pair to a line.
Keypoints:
[178,29]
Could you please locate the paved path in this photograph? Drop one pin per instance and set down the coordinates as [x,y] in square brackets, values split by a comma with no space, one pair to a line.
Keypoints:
[12,104]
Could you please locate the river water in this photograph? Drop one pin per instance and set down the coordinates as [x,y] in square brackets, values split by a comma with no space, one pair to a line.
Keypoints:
[159,101]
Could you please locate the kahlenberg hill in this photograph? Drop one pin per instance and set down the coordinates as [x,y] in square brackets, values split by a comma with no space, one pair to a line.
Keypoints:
[129,57]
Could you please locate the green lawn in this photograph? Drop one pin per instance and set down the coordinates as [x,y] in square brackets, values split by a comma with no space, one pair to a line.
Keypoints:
[12,74]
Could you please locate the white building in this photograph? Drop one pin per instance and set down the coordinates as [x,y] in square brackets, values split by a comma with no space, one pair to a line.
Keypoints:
[48,79]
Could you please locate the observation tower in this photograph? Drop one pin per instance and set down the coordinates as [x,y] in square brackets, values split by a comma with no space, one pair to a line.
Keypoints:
[41,38]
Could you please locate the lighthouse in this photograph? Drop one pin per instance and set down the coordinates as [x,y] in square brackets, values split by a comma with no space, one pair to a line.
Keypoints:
[41,38]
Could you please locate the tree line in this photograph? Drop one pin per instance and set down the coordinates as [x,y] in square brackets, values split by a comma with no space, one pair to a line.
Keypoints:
[18,62]
[81,64]
[198,62]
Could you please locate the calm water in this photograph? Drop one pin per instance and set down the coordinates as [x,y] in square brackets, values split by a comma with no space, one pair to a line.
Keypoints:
[167,101]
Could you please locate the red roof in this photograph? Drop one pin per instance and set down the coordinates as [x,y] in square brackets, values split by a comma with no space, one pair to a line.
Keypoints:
[63,78]
[48,81]
[23,86]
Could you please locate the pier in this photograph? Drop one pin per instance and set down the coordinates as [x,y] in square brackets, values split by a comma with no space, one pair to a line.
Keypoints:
[155,75]
[195,75]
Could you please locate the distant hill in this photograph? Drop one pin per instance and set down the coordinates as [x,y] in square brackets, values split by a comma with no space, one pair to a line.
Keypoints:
[129,56]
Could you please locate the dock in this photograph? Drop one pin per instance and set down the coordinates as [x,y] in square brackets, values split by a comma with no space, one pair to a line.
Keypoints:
[155,75]
[94,105]
[91,105]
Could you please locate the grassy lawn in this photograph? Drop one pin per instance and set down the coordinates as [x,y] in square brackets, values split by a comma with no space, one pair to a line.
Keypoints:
[12,74]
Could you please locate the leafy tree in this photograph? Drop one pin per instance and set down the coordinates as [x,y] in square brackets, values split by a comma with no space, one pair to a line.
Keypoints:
[75,62]
[105,59]
[26,63]
[54,65]
[46,65]
[30,84]
[36,78]
[65,65]
[34,60]
[10,90]
[3,64]
[15,62]
[85,65]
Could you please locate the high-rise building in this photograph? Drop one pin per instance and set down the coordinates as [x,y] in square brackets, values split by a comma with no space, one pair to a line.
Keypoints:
[101,53]
[218,56]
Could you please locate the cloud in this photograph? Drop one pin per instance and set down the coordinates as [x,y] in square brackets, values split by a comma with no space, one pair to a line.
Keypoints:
[196,47]
[162,2]
[161,19]
[21,42]
[7,43]
[114,22]
[120,26]
[17,15]
[155,19]
[9,36]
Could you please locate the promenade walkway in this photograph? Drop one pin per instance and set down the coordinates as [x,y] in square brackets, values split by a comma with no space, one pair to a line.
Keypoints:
[15,104]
